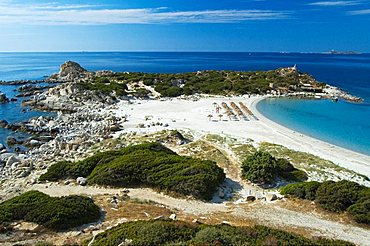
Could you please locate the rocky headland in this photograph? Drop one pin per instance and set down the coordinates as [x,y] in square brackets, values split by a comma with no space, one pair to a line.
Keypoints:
[79,123]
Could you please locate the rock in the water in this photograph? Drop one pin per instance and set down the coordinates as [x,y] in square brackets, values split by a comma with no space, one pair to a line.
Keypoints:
[71,67]
[3,98]
[3,123]
[81,181]
[11,141]
[2,147]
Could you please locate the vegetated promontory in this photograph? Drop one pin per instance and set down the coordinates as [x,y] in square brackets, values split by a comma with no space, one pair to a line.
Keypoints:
[144,165]
[53,213]
[220,82]
[335,196]
[167,232]
[203,82]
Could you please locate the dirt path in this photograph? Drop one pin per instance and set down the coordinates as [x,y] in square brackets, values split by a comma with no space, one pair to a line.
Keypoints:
[265,213]
[185,205]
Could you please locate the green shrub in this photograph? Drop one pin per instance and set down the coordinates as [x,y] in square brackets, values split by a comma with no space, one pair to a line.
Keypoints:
[67,169]
[360,212]
[53,213]
[305,190]
[57,171]
[104,86]
[146,233]
[141,93]
[166,232]
[145,165]
[338,196]
[44,244]
[335,196]
[262,167]
[259,168]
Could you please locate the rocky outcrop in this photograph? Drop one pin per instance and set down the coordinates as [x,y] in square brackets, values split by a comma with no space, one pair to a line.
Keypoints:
[13,165]
[70,72]
[3,123]
[3,98]
[175,138]
[71,68]
[68,97]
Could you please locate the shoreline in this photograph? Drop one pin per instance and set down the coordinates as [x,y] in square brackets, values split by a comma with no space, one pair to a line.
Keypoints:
[307,133]
[192,115]
[341,156]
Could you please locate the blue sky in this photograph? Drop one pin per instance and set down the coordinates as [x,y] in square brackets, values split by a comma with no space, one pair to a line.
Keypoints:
[185,25]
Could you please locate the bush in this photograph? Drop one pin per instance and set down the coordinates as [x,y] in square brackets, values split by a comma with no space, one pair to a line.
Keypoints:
[259,167]
[335,196]
[166,232]
[338,196]
[262,167]
[53,213]
[67,169]
[141,93]
[57,171]
[305,190]
[360,212]
[145,165]
[104,86]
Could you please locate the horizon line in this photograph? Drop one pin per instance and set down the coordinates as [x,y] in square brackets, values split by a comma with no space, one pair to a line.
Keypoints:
[186,51]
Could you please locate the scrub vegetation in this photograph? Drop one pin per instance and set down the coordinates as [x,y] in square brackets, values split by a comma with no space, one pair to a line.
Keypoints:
[342,196]
[166,232]
[263,168]
[51,212]
[144,165]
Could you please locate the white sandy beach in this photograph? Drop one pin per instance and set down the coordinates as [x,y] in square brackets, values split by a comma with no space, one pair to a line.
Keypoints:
[193,115]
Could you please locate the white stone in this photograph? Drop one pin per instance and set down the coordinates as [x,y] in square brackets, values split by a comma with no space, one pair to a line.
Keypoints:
[173,216]
[81,181]
[34,142]
[11,160]
[4,157]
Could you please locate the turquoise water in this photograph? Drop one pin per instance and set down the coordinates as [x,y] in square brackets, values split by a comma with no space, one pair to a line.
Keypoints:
[344,124]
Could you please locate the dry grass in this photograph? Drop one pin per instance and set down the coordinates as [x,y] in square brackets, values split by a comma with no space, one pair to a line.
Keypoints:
[318,169]
[131,209]
[205,150]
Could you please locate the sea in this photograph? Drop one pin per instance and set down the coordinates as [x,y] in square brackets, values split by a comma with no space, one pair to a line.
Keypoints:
[341,123]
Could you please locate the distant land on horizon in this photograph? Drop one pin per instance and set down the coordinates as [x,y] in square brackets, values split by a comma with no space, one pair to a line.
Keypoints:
[330,52]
